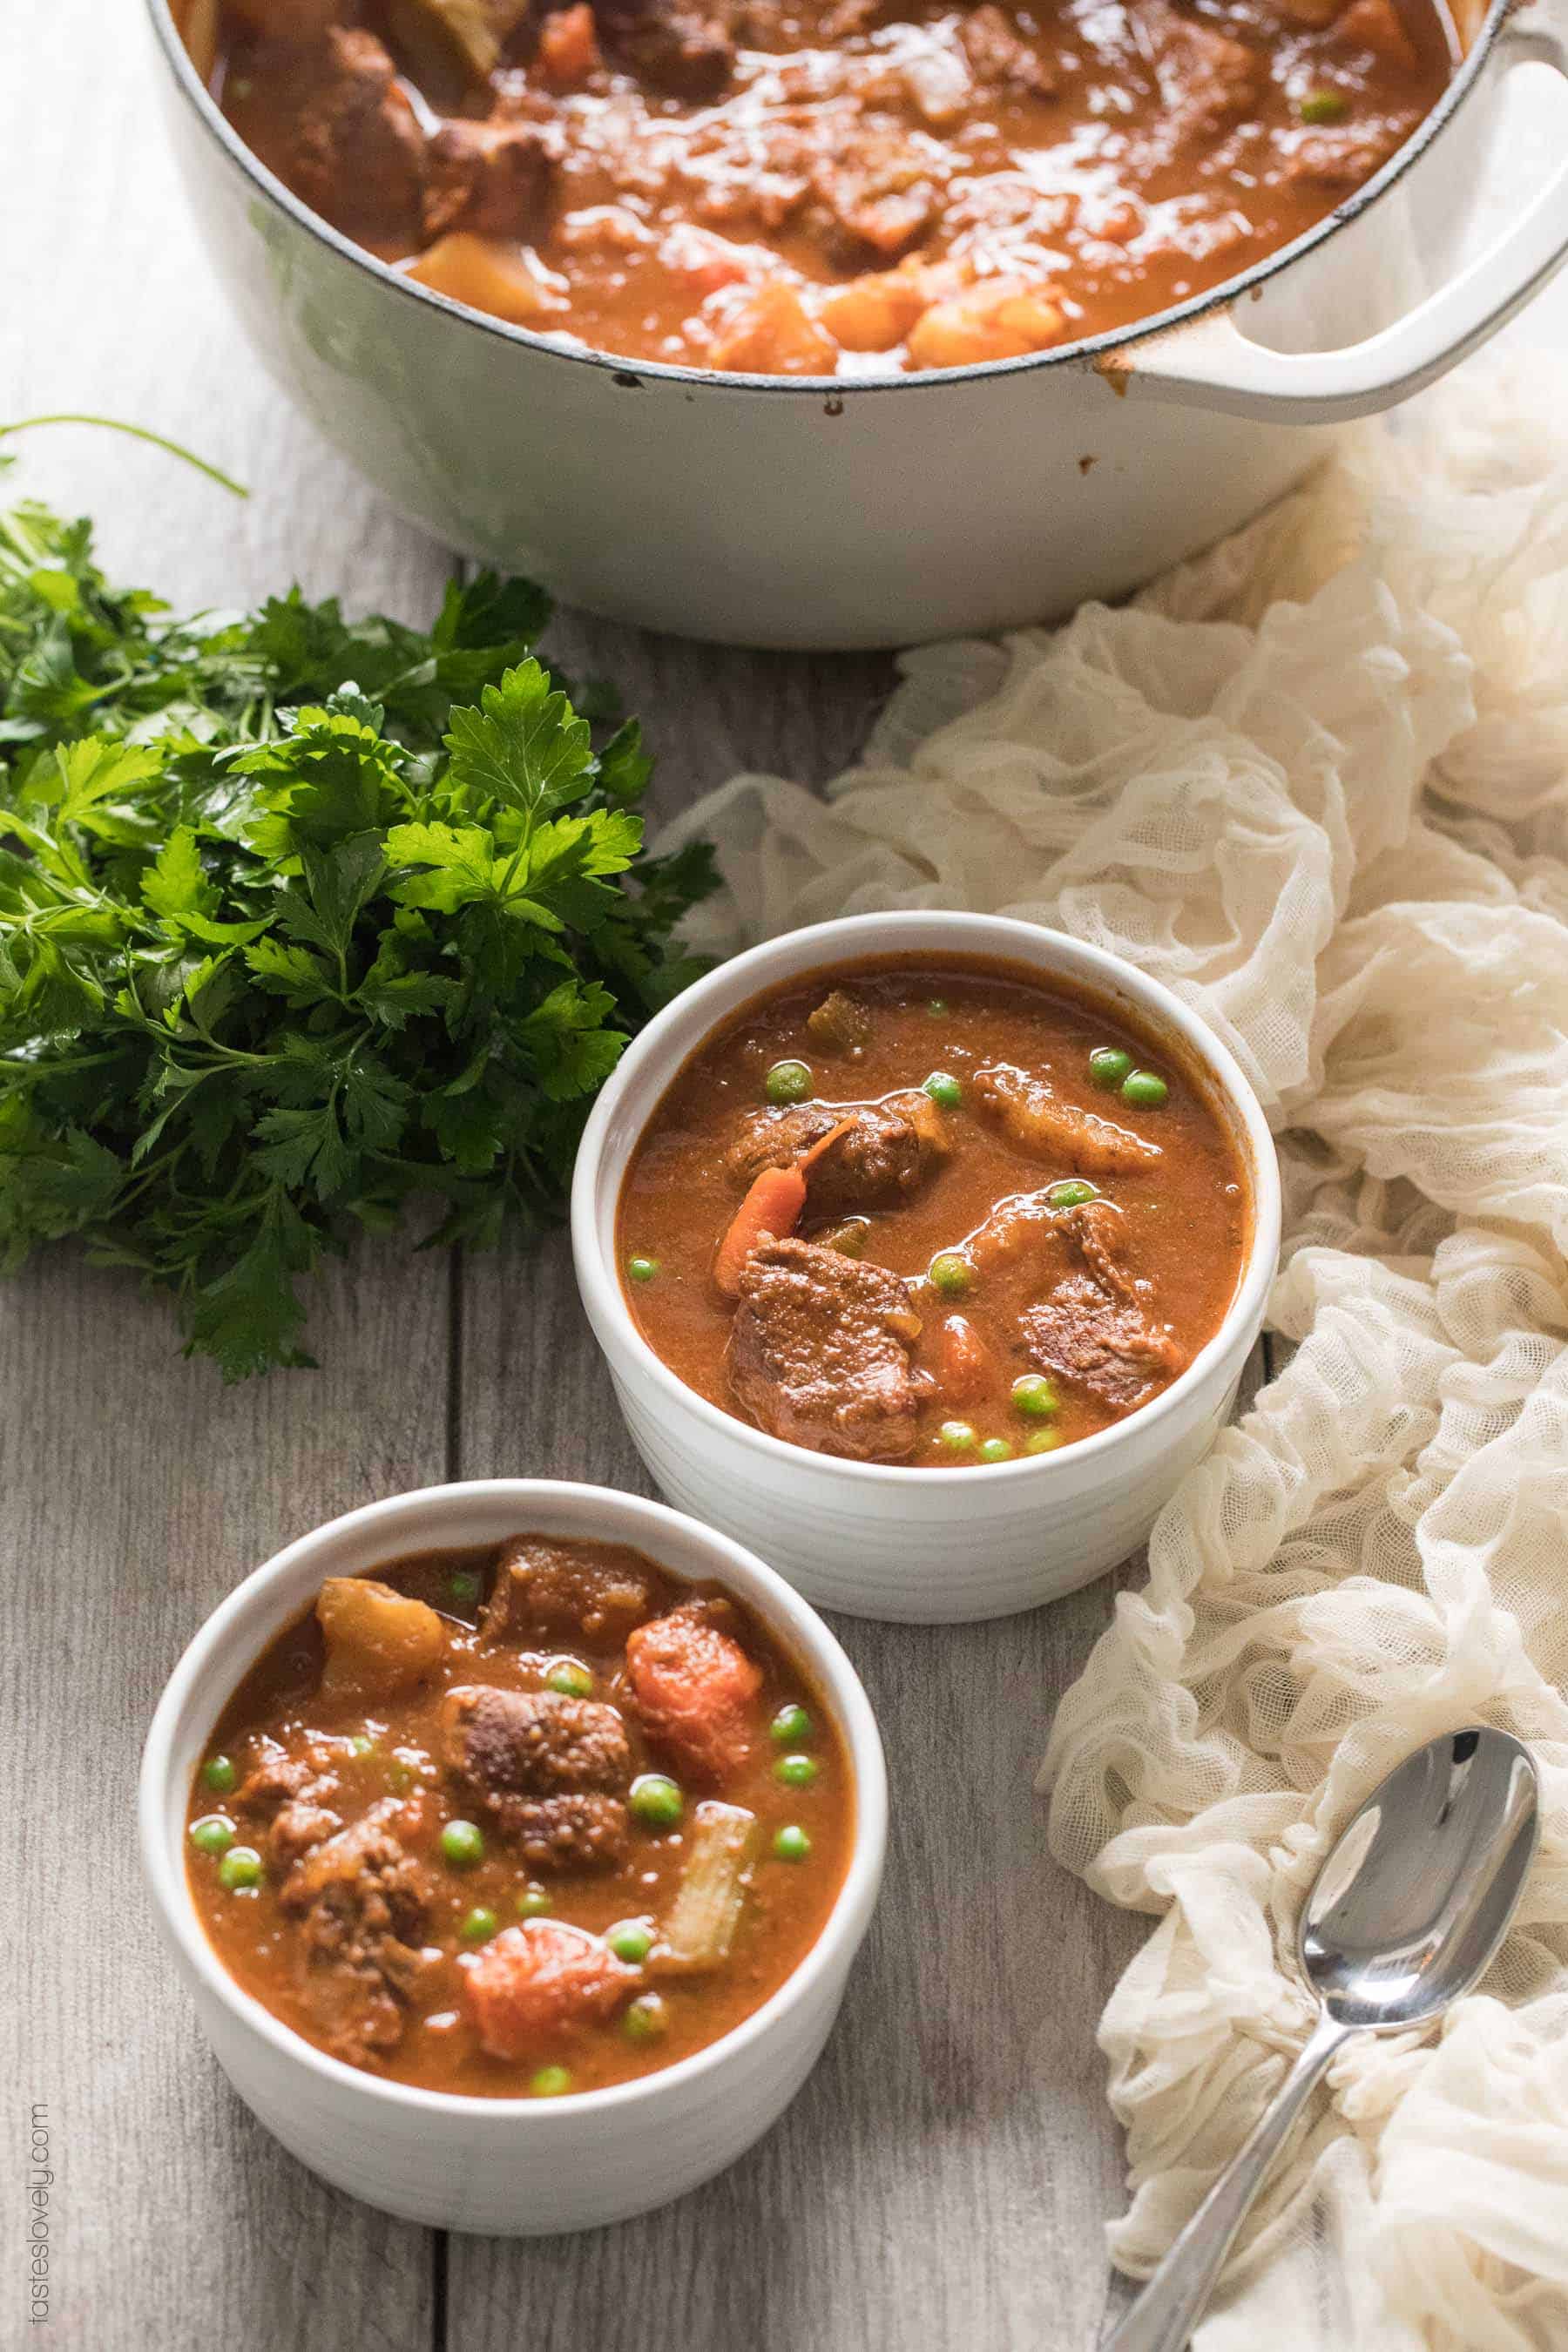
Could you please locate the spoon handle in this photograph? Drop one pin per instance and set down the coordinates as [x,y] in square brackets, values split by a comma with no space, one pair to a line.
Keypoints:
[1170,2306]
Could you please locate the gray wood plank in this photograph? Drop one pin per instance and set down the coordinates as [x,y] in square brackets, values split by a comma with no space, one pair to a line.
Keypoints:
[708,711]
[138,1491]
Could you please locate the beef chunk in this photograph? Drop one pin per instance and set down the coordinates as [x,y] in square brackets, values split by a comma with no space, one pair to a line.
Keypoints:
[684,51]
[696,1689]
[547,1590]
[819,1351]
[550,1771]
[997,58]
[1206,79]
[1099,1342]
[1096,1328]
[1035,1117]
[336,124]
[879,1159]
[361,1903]
[276,1781]
[299,1827]
[491,178]
[287,20]
[882,189]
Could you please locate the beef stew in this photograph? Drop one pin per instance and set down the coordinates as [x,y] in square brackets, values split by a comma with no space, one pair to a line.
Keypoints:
[937,1214]
[822,187]
[520,1822]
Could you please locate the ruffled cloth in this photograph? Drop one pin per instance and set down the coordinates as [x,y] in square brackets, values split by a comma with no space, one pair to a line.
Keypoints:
[1315,782]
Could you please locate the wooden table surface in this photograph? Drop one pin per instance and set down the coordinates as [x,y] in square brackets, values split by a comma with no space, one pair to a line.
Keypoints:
[943,2179]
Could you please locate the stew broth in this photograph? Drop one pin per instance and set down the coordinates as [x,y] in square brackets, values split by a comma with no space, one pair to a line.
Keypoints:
[461,1862]
[1020,1218]
[824,187]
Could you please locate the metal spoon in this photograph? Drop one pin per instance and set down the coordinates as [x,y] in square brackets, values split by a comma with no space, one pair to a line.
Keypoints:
[1403,1917]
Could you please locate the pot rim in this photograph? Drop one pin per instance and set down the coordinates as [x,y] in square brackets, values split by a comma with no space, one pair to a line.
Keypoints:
[836,390]
[227,1643]
[1051,955]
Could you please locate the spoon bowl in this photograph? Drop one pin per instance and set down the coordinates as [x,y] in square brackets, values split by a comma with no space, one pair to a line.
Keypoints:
[1413,1902]
[1403,1917]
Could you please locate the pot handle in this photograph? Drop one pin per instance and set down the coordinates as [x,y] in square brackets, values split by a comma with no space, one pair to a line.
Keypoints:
[1210,364]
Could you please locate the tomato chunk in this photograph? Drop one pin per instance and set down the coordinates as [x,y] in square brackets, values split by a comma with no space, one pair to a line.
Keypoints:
[535,1986]
[770,333]
[569,47]
[695,1687]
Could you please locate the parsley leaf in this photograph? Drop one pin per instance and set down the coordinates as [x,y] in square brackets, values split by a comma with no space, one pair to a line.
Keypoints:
[304,921]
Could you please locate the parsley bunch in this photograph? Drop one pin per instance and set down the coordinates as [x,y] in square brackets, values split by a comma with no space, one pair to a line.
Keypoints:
[300,918]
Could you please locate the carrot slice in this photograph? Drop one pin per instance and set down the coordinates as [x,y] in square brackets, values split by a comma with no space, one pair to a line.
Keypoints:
[771,1209]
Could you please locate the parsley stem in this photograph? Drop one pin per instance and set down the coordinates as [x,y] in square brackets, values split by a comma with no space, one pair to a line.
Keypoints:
[137,432]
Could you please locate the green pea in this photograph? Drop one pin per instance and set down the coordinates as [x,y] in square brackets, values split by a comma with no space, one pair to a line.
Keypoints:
[1323,105]
[1072,1193]
[1145,1088]
[958,1436]
[996,1449]
[645,2019]
[570,1679]
[362,1744]
[214,1834]
[796,1771]
[240,1867]
[1107,1066]
[399,1777]
[1033,1396]
[943,1088]
[463,1586]
[791,1843]
[1044,1441]
[463,1845]
[949,1274]
[479,1924]
[551,2083]
[937,1008]
[791,1723]
[789,1082]
[219,1774]
[534,1903]
[630,1941]
[656,1800]
[642,1269]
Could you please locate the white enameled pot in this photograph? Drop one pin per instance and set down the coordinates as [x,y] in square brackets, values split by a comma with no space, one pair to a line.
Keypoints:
[810,512]
[514,2167]
[880,1540]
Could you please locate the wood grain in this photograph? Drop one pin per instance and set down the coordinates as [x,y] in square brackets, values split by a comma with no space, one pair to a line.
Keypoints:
[138,1491]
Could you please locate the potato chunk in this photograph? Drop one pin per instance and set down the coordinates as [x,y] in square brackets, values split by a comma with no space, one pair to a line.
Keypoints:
[377,1640]
[1000,319]
[489,274]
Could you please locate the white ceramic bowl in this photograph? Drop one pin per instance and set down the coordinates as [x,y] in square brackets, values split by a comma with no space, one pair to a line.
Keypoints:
[873,510]
[877,1539]
[518,2166]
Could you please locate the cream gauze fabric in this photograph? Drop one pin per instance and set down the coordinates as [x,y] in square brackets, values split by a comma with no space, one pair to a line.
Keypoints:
[1316,782]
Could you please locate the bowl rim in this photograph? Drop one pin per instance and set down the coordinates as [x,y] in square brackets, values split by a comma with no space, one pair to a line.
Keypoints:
[227,1643]
[859,937]
[1091,350]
